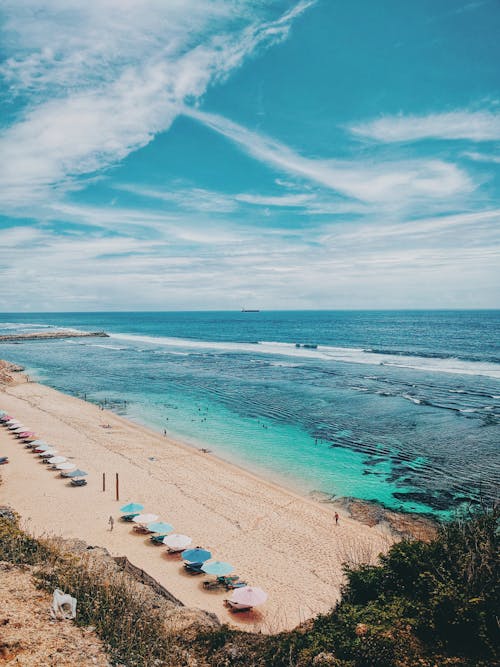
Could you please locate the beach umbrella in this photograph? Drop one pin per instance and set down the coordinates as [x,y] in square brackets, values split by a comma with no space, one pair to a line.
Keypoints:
[25,434]
[145,518]
[42,443]
[42,448]
[159,527]
[217,568]
[6,418]
[14,425]
[177,541]
[249,595]
[76,473]
[65,466]
[20,429]
[47,453]
[131,508]
[57,459]
[196,555]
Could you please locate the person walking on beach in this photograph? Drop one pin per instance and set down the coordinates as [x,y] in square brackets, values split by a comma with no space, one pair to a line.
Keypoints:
[336,518]
[111,523]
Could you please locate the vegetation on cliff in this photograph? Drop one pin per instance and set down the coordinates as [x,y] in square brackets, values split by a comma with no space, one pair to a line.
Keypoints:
[425,604]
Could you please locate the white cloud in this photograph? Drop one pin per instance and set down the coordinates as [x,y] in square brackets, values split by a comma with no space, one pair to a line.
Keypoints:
[383,182]
[473,125]
[103,77]
[200,199]
[482,157]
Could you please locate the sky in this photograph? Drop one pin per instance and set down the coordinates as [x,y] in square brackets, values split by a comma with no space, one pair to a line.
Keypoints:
[273,154]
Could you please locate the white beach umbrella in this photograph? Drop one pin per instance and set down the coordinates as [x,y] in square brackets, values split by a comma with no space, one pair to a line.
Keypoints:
[15,425]
[42,448]
[66,466]
[48,453]
[177,541]
[20,429]
[57,459]
[145,518]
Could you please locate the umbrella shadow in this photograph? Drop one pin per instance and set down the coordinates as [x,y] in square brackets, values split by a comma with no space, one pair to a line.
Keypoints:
[252,617]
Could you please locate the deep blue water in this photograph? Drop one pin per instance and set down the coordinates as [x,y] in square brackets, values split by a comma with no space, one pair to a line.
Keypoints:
[397,407]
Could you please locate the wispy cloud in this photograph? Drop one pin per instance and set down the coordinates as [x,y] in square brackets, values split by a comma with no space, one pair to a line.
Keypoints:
[376,182]
[473,125]
[481,157]
[103,78]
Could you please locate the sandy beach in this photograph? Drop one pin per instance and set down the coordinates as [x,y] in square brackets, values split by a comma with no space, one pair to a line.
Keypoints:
[287,544]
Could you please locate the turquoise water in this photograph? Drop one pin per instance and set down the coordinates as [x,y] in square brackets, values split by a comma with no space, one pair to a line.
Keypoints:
[400,408]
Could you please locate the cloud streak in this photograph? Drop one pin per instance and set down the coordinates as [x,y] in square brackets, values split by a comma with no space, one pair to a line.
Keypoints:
[380,182]
[129,69]
[470,125]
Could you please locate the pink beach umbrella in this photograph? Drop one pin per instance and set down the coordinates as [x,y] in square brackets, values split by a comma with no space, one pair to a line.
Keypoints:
[249,596]
[41,447]
[25,434]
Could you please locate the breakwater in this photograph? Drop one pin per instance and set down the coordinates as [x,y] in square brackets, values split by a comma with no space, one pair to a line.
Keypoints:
[46,335]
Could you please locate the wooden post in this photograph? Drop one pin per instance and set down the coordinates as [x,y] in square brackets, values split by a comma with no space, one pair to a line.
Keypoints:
[117,488]
[104,481]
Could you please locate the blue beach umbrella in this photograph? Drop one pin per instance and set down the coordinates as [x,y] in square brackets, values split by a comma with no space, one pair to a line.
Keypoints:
[217,567]
[76,473]
[159,527]
[196,555]
[131,508]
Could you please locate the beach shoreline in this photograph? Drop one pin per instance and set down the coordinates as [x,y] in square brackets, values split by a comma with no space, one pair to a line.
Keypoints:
[286,543]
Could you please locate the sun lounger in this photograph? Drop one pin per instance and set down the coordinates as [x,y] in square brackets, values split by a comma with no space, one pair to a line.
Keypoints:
[78,482]
[141,529]
[194,568]
[229,583]
[236,606]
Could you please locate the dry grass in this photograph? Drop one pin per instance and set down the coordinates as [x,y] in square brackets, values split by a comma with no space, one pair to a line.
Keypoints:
[138,628]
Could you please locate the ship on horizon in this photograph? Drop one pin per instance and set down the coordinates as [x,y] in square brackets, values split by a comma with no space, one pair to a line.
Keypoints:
[250,310]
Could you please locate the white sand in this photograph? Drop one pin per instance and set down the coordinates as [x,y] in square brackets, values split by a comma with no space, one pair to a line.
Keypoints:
[284,543]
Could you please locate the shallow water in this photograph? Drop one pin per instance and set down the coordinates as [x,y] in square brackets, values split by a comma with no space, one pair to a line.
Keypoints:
[401,408]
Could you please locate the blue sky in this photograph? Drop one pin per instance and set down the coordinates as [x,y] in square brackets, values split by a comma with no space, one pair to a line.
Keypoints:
[186,154]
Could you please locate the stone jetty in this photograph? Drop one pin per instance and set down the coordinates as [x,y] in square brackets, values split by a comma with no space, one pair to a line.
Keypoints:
[44,335]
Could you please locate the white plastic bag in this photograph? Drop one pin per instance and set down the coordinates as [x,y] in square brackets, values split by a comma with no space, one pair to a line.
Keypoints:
[63,605]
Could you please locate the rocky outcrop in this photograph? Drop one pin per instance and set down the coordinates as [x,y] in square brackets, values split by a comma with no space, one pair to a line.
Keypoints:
[45,335]
[6,371]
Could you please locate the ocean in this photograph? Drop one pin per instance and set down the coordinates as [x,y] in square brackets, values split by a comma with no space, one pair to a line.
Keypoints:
[400,408]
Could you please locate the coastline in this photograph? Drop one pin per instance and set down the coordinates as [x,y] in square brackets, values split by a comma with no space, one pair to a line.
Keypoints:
[285,543]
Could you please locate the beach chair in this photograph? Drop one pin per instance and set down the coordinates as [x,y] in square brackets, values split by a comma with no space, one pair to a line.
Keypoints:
[157,539]
[231,585]
[140,529]
[194,568]
[78,482]
[236,607]
[129,517]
